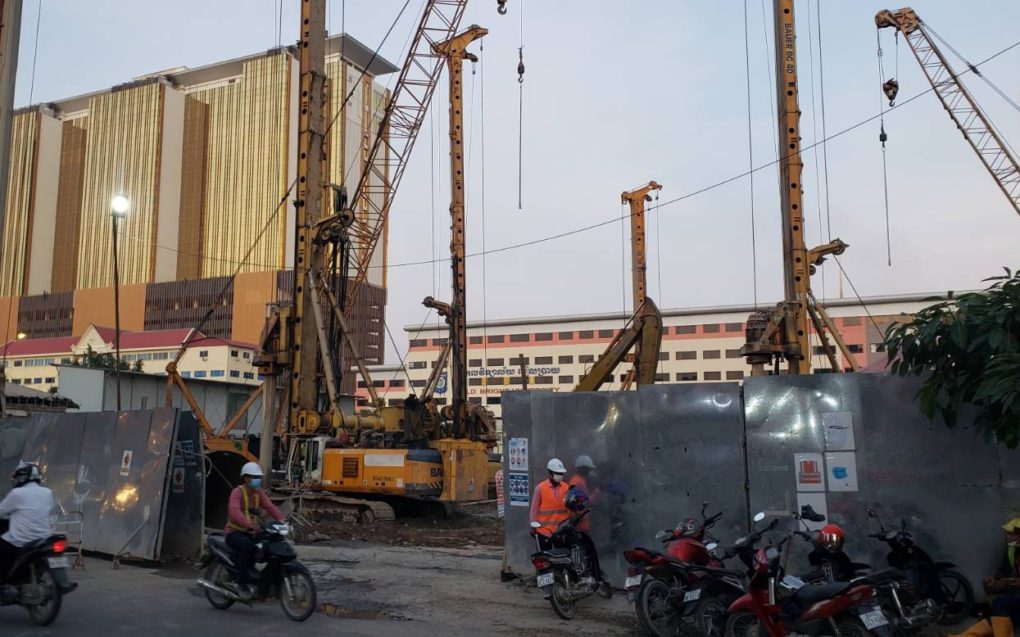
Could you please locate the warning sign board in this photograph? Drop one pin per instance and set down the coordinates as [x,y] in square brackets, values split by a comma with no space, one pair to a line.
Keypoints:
[518,454]
[519,490]
[178,480]
[125,463]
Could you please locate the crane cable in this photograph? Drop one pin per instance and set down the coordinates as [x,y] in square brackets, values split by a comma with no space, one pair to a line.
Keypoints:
[970,66]
[485,318]
[520,112]
[883,137]
[750,161]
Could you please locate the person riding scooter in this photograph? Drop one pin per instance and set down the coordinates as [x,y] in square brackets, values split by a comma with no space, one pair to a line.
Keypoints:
[27,507]
[248,503]
[547,507]
[1004,589]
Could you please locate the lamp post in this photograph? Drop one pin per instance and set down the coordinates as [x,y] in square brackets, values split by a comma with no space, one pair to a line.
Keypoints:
[118,207]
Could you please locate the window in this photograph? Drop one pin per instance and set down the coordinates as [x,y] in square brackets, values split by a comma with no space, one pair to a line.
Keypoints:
[217,373]
[494,362]
[16,381]
[520,338]
[203,353]
[566,336]
[38,381]
[474,382]
[249,375]
[877,348]
[663,356]
[518,361]
[543,336]
[417,383]
[397,382]
[855,348]
[623,378]
[686,329]
[475,362]
[163,355]
[188,374]
[233,353]
[378,384]
[497,338]
[417,365]
[734,375]
[710,353]
[235,374]
[439,342]
[662,378]
[733,353]
[710,328]
[686,356]
[565,360]
[419,342]
[435,364]
[17,363]
[475,340]
[607,333]
[686,376]
[586,334]
[543,360]
[543,380]
[494,400]
[713,375]
[52,379]
[818,350]
[201,373]
[851,321]
[475,400]
[586,358]
[566,380]
[734,327]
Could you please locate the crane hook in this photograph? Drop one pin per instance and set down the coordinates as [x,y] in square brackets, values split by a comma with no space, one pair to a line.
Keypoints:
[520,65]
[501,8]
[891,88]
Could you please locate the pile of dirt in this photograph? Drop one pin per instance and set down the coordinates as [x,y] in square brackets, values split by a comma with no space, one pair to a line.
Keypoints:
[457,530]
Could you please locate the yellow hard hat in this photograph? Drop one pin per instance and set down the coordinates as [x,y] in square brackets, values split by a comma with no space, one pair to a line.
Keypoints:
[1012,526]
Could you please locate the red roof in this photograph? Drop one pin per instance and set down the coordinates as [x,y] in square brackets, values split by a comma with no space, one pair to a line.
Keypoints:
[39,346]
[153,339]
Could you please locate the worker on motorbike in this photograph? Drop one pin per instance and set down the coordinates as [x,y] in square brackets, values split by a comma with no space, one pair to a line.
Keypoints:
[248,505]
[1004,589]
[547,506]
[583,466]
[27,507]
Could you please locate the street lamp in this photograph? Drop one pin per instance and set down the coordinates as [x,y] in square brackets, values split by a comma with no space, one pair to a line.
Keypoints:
[118,210]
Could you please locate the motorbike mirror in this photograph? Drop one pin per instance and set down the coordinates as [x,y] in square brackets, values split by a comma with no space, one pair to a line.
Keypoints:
[711,546]
[536,525]
[759,516]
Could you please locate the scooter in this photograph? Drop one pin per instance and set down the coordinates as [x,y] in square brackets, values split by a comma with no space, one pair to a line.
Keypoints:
[568,569]
[38,579]
[951,592]
[283,575]
[784,604]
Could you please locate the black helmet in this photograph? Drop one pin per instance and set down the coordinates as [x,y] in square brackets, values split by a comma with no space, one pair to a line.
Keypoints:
[25,473]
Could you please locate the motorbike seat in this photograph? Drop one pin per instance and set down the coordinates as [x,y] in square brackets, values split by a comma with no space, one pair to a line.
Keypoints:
[885,575]
[34,544]
[558,552]
[219,542]
[812,593]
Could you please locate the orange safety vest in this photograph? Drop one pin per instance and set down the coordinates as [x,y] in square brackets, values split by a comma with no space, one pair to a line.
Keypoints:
[579,482]
[551,510]
[247,509]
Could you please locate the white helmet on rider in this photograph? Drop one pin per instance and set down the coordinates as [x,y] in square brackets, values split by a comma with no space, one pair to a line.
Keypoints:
[251,469]
[584,462]
[556,466]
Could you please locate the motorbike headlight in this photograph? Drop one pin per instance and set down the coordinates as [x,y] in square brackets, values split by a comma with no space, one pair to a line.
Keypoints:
[283,530]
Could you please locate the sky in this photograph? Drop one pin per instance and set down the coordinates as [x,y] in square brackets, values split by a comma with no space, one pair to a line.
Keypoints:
[616,94]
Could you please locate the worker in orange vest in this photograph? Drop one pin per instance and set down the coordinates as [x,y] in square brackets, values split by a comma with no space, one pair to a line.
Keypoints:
[547,507]
[583,466]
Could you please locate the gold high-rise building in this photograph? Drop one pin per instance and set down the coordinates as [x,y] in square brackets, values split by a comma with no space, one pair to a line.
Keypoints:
[205,157]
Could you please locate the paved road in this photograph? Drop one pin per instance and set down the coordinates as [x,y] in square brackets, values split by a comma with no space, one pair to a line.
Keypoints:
[364,590]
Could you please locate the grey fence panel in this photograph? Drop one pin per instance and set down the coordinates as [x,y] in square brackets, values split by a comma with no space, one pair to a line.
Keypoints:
[92,488]
[182,528]
[54,441]
[516,425]
[13,432]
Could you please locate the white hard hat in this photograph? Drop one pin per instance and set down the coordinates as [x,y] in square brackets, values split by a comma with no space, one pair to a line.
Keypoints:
[584,461]
[251,469]
[556,466]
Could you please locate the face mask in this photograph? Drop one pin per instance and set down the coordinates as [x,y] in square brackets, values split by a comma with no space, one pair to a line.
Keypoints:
[557,478]
[256,483]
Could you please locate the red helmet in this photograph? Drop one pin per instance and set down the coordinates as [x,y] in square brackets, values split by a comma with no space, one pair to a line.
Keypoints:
[830,537]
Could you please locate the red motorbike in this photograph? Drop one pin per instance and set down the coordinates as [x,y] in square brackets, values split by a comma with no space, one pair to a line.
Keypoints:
[777,604]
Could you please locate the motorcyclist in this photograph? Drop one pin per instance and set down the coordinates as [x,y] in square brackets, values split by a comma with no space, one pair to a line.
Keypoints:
[583,466]
[547,506]
[27,507]
[1004,588]
[249,503]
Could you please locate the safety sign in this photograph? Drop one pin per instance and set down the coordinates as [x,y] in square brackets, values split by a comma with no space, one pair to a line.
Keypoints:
[519,490]
[178,480]
[809,471]
[518,454]
[125,463]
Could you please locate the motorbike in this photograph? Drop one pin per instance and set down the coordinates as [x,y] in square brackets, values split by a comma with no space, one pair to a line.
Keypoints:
[282,576]
[38,579]
[783,604]
[950,591]
[567,569]
[687,589]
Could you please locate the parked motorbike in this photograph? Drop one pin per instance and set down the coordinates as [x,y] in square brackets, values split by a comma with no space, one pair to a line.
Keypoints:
[783,604]
[38,579]
[282,576]
[686,590]
[951,592]
[567,568]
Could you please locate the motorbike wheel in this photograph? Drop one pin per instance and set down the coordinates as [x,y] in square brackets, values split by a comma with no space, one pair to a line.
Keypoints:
[217,574]
[297,595]
[44,614]
[562,604]
[851,627]
[958,596]
[605,590]
[656,614]
[743,623]
[710,615]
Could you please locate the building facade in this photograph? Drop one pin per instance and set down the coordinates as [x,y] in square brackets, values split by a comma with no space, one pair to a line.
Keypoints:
[206,157]
[698,345]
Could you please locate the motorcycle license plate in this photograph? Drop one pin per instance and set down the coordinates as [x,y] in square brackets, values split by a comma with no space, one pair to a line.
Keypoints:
[693,595]
[545,579]
[57,562]
[873,619]
[632,581]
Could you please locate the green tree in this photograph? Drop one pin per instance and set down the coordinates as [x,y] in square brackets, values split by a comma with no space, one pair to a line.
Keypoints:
[92,358]
[137,367]
[967,349]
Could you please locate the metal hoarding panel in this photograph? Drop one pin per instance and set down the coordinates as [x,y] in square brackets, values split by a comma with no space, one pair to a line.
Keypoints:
[182,528]
[54,441]
[13,431]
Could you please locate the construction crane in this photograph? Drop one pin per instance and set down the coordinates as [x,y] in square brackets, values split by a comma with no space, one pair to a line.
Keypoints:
[641,340]
[783,333]
[994,153]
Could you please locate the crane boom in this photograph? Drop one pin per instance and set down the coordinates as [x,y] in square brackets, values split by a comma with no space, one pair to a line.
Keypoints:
[394,139]
[993,152]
